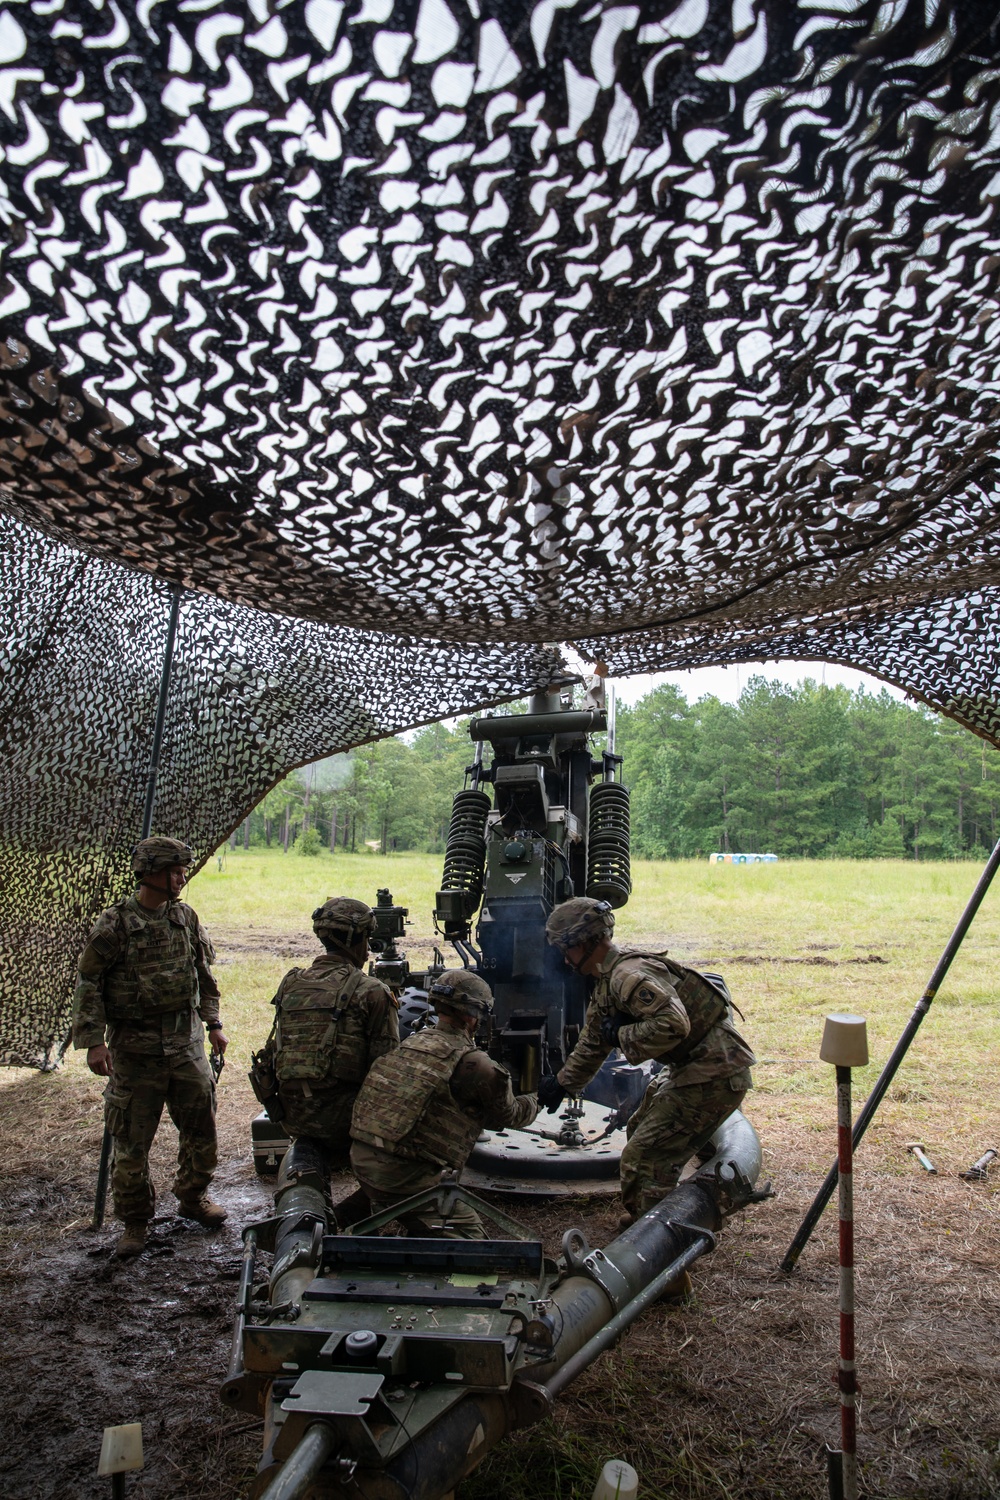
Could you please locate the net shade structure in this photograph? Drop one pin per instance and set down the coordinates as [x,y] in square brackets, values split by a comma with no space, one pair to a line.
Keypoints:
[413,338]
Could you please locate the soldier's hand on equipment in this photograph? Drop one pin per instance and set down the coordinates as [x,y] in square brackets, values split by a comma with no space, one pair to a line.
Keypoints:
[98,1060]
[219,1040]
[550,1092]
[611,1025]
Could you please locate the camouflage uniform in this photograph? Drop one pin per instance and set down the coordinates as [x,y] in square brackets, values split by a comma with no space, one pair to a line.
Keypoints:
[333,1021]
[145,986]
[420,1111]
[702,1082]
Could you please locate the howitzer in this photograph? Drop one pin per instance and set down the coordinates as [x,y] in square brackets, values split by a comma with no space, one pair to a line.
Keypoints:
[541,818]
[389,1367]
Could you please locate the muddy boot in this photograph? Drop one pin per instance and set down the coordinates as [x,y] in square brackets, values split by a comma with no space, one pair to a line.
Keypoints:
[679,1292]
[133,1239]
[203,1211]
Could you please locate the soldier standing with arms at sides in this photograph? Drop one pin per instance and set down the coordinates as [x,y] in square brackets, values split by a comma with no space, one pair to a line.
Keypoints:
[145,987]
[652,1008]
[421,1109]
[332,1022]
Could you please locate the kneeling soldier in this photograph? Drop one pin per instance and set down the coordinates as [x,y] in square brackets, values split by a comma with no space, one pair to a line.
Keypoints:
[421,1109]
[652,1008]
[145,988]
[332,1022]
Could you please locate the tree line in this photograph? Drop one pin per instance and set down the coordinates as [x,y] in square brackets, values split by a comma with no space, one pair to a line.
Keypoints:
[807,771]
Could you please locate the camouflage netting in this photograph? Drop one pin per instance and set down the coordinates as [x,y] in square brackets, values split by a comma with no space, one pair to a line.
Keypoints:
[411,336]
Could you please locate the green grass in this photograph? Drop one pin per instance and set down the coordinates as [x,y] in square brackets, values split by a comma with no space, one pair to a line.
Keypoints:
[793,939]
[729,1399]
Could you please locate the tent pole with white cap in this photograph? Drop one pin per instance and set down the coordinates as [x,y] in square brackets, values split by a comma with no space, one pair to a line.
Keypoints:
[845,1044]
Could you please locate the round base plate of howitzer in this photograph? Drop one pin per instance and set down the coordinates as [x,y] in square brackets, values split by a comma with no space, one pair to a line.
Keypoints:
[562,1155]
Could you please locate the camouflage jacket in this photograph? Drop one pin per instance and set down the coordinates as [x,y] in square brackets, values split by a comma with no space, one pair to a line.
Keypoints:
[332,1022]
[641,986]
[431,1099]
[125,997]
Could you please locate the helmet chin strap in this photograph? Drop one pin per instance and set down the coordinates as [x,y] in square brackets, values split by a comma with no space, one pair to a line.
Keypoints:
[588,949]
[147,880]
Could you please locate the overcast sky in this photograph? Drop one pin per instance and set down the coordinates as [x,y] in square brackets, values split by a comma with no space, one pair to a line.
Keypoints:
[728,682]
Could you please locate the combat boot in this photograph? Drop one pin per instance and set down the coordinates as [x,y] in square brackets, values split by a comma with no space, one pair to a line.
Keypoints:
[203,1211]
[133,1239]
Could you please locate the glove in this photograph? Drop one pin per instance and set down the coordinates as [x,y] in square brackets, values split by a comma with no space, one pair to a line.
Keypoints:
[550,1092]
[611,1025]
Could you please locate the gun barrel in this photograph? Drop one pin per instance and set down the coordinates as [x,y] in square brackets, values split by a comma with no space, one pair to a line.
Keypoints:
[517,726]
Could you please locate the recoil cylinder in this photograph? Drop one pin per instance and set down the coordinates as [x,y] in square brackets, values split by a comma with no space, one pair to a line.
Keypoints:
[609,870]
[465,857]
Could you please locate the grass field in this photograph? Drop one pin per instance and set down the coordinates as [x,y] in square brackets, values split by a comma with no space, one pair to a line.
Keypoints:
[795,940]
[729,1399]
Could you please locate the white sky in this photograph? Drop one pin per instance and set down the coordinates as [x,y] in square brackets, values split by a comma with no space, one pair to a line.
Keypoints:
[727,683]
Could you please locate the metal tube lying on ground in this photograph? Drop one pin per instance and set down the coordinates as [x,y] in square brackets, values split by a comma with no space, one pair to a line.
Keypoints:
[900,1050]
[977,1172]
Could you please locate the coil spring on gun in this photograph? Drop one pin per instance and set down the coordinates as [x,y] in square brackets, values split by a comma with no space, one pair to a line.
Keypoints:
[609,869]
[465,851]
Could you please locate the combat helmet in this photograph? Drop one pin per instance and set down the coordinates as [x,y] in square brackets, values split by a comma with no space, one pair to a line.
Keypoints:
[152,855]
[343,920]
[580,922]
[463,991]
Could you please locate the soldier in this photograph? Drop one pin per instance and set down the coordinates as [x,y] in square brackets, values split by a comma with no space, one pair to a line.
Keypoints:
[652,1008]
[421,1109]
[145,987]
[332,1021]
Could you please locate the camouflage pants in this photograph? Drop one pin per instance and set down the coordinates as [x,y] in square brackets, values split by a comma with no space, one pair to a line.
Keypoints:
[137,1090]
[669,1126]
[324,1117]
[388,1179]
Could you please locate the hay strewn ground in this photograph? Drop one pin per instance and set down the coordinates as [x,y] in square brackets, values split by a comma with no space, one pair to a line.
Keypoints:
[730,1398]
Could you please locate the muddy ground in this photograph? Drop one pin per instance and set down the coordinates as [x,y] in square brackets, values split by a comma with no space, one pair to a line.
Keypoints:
[732,1397]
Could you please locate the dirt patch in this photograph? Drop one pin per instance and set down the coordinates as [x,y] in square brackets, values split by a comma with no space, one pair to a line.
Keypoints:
[731,1398]
[814,960]
[250,941]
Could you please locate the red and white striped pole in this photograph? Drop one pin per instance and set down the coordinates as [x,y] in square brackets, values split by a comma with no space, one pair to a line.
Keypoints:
[845,1044]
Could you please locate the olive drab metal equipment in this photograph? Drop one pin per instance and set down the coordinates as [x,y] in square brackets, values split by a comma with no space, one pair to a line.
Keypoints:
[542,818]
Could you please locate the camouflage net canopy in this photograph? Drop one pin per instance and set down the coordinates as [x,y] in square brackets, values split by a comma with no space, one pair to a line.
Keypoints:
[411,336]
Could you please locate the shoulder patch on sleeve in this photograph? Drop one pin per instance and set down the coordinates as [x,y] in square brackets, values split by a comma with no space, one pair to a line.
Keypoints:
[637,985]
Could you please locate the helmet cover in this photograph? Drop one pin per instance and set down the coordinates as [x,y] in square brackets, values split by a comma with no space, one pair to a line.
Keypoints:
[463,991]
[154,854]
[344,920]
[578,921]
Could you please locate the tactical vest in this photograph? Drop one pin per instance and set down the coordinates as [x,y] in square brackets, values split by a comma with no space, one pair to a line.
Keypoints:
[705,1003]
[155,973]
[406,1105]
[311,1042]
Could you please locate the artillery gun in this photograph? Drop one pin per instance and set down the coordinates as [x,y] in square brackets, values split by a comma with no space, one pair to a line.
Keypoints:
[540,819]
[390,1366]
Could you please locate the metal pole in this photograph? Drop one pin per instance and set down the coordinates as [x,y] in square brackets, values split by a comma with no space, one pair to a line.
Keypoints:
[161,713]
[104,1168]
[847,1372]
[617,1325]
[295,1475]
[900,1050]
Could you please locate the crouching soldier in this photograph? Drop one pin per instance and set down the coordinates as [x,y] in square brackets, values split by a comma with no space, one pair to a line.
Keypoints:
[332,1022]
[145,987]
[652,1008]
[421,1109]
